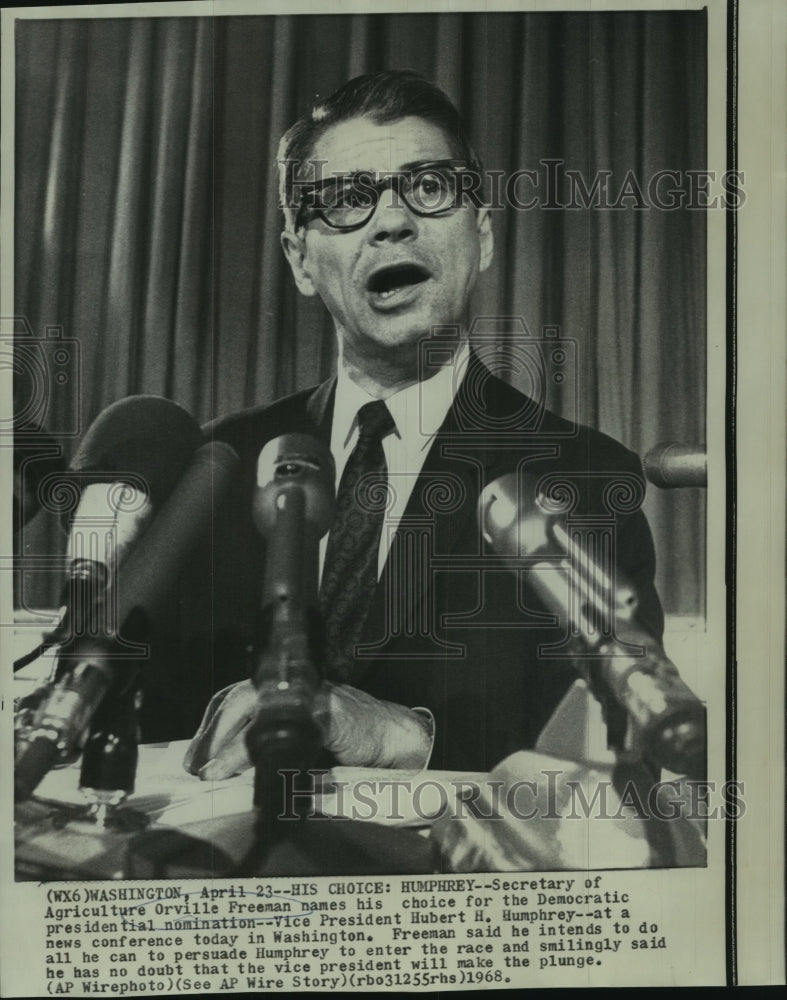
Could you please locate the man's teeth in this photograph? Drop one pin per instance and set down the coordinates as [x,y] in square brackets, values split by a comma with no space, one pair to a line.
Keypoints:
[386,283]
[386,293]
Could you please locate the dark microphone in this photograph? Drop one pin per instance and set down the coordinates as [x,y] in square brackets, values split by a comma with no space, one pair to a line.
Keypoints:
[293,507]
[667,720]
[139,437]
[671,466]
[93,663]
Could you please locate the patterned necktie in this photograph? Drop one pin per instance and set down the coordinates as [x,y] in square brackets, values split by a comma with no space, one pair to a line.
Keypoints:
[350,571]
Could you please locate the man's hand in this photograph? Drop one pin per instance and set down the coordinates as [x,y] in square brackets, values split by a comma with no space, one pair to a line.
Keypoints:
[360,730]
[218,749]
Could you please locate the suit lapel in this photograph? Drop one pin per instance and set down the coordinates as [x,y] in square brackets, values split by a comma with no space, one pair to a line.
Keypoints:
[474,445]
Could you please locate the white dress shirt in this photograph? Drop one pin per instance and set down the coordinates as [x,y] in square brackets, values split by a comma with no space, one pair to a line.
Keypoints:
[418,412]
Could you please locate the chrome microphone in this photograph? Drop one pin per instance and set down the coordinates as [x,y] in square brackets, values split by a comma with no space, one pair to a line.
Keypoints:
[666,719]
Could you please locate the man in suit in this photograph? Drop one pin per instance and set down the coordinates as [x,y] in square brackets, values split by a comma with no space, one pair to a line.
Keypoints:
[442,657]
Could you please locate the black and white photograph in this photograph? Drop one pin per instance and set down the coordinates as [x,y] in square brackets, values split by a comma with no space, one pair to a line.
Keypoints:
[370,582]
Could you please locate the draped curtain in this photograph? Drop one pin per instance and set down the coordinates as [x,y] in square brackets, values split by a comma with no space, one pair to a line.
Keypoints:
[147,227]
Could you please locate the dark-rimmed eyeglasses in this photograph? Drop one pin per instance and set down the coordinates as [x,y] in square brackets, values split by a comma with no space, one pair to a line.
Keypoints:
[348,201]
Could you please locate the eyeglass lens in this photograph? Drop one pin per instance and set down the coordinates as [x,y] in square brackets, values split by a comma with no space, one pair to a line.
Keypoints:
[349,201]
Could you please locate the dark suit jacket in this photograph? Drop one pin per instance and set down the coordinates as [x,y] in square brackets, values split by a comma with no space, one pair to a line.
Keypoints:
[445,630]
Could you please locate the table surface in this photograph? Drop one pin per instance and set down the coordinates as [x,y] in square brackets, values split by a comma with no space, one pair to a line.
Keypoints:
[394,807]
[381,818]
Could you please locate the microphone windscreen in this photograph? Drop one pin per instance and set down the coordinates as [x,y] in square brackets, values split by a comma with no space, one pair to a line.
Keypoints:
[143,437]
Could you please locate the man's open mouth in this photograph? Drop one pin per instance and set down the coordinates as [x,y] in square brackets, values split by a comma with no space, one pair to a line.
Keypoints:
[389,280]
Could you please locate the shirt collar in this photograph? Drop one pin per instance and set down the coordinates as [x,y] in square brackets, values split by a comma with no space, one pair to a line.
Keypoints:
[418,410]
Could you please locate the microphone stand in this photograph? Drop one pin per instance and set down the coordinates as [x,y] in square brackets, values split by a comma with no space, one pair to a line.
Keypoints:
[105,729]
[292,509]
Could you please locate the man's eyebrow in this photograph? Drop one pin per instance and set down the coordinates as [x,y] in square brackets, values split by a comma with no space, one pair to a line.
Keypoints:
[431,162]
[412,165]
[421,163]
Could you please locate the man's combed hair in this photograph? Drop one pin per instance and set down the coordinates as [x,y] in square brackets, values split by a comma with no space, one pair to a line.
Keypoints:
[384,97]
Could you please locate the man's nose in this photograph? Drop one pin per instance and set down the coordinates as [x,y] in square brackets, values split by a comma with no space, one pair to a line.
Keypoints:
[392,221]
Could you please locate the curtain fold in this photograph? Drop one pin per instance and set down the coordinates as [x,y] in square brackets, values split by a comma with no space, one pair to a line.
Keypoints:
[147,224]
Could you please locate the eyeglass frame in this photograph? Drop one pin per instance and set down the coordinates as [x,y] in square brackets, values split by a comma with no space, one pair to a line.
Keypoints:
[387,180]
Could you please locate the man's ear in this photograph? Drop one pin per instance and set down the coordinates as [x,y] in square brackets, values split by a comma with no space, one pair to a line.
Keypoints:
[486,238]
[295,251]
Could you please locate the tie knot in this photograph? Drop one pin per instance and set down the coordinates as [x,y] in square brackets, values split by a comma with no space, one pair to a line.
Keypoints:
[375,421]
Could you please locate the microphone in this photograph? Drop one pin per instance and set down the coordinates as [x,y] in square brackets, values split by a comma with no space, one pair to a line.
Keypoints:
[666,719]
[127,463]
[110,516]
[146,437]
[135,595]
[293,507]
[670,466]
